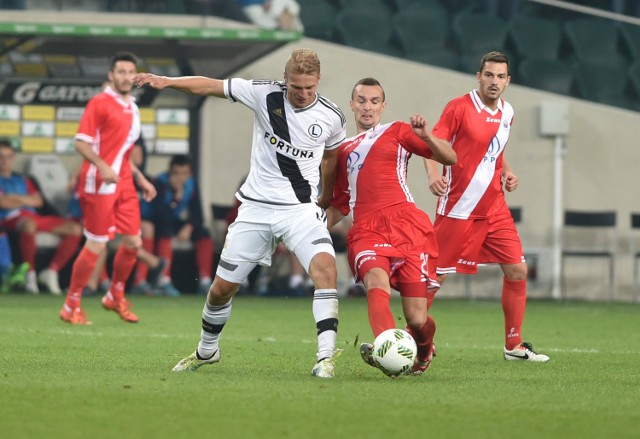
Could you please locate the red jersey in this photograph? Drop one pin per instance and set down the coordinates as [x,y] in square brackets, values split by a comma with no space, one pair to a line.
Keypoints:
[111,126]
[372,169]
[479,137]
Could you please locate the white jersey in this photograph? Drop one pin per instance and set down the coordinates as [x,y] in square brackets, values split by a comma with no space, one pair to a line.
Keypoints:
[288,142]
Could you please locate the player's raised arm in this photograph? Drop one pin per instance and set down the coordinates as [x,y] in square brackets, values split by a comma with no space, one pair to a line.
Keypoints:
[197,85]
[442,150]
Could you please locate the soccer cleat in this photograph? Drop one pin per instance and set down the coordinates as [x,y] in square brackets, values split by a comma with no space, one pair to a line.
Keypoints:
[16,277]
[31,283]
[203,288]
[155,274]
[142,288]
[524,352]
[75,316]
[167,289]
[421,366]
[325,368]
[366,350]
[88,292]
[49,278]
[193,362]
[121,307]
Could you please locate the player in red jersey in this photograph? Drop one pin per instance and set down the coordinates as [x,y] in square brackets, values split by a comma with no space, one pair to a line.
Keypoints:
[109,127]
[473,223]
[392,242]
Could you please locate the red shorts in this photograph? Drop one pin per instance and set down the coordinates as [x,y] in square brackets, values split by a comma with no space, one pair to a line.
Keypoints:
[44,223]
[108,214]
[466,243]
[399,240]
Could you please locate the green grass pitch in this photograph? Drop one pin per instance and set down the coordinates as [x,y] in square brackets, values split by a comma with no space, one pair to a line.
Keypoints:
[113,379]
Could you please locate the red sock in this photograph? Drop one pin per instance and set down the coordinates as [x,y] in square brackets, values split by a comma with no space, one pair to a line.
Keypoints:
[424,336]
[380,316]
[123,263]
[65,251]
[27,244]
[142,269]
[165,250]
[204,256]
[514,301]
[80,274]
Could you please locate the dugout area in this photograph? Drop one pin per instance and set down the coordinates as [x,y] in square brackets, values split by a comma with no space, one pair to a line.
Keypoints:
[52,64]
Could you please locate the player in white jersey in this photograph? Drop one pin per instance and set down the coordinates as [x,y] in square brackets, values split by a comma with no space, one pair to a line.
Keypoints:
[296,131]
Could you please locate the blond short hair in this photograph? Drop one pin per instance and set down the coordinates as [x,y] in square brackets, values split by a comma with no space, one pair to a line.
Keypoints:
[303,62]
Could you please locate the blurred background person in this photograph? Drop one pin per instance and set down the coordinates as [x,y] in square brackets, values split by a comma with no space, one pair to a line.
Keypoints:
[273,14]
[177,213]
[19,201]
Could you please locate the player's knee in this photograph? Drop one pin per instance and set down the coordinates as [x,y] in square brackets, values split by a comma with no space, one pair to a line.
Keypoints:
[515,271]
[323,271]
[221,291]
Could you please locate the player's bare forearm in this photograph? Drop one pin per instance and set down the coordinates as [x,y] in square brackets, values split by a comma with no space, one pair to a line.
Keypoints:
[106,172]
[14,201]
[333,216]
[329,169]
[197,85]
[441,149]
[437,181]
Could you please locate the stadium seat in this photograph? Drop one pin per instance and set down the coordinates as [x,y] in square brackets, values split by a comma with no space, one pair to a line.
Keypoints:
[421,29]
[634,79]
[368,29]
[635,252]
[592,38]
[436,56]
[477,34]
[548,75]
[603,81]
[318,18]
[401,5]
[535,38]
[590,234]
[381,6]
[631,37]
[53,179]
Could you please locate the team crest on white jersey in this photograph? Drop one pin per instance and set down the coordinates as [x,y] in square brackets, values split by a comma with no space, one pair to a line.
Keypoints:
[315,130]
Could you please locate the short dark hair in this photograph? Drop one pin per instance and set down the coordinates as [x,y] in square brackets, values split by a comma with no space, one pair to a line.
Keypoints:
[369,82]
[124,56]
[495,56]
[179,160]
[6,143]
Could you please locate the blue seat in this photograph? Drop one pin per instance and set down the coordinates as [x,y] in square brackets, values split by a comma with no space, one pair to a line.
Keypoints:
[550,75]
[366,29]
[535,38]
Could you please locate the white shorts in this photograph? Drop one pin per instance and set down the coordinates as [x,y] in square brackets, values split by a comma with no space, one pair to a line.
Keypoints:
[258,229]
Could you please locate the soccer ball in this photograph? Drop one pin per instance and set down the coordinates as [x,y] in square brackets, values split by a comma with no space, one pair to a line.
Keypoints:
[394,352]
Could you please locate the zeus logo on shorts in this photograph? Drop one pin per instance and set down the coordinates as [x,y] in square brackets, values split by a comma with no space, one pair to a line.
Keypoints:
[465,262]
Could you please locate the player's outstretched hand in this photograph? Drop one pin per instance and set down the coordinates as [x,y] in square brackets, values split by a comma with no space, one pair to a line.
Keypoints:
[155,81]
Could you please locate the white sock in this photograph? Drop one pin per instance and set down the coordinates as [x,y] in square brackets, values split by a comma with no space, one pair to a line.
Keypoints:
[213,320]
[295,280]
[325,313]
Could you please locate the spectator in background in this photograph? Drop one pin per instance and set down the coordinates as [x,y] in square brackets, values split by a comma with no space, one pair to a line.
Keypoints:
[19,201]
[177,213]
[273,14]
